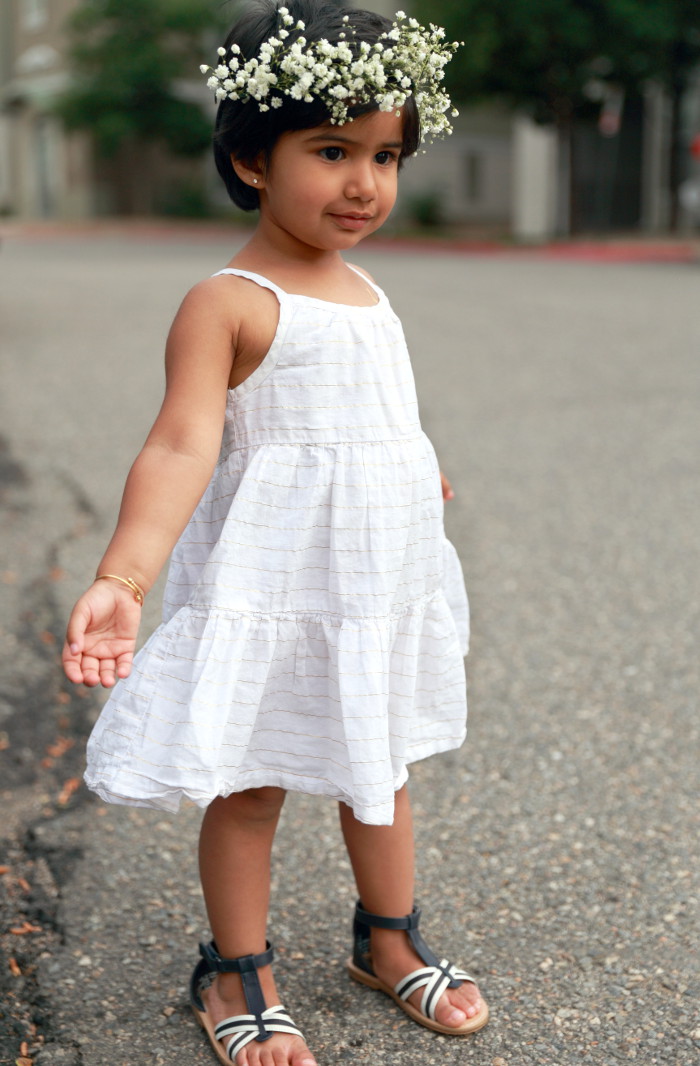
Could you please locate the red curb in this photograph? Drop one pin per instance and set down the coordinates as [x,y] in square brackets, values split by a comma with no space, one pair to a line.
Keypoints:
[592,251]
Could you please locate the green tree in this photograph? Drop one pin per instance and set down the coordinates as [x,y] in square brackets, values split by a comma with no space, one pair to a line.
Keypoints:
[126,58]
[549,56]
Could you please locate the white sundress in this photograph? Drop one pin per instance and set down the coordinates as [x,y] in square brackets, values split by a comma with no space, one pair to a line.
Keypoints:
[314,618]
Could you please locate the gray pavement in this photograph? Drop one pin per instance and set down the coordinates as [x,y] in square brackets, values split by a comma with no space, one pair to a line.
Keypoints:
[558,848]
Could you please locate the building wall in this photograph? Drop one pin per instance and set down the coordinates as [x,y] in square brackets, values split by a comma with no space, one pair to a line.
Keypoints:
[49,171]
[468,174]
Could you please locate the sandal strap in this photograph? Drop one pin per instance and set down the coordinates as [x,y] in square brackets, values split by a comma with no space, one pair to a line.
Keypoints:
[364,920]
[434,980]
[378,921]
[242,964]
[242,1028]
[246,965]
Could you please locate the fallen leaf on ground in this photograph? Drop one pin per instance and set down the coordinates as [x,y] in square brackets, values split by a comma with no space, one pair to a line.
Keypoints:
[60,746]
[14,968]
[71,785]
[24,928]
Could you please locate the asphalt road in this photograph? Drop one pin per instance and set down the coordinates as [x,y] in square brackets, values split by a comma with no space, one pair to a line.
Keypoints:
[558,848]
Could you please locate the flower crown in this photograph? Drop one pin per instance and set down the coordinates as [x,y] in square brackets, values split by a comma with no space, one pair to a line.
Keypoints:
[406,60]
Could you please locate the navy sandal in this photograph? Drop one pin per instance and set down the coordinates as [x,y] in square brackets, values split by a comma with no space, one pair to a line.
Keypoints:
[434,977]
[260,1024]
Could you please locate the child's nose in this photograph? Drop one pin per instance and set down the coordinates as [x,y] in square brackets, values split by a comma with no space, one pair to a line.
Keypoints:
[361,183]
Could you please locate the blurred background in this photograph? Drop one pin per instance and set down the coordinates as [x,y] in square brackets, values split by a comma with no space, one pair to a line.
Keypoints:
[576,116]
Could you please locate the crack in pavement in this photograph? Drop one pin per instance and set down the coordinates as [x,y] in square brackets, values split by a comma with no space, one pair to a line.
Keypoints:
[44,721]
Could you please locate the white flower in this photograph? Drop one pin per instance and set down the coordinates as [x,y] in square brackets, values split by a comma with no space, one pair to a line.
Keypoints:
[406,60]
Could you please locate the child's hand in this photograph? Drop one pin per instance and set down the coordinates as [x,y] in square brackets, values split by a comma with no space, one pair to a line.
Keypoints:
[101,635]
[447,493]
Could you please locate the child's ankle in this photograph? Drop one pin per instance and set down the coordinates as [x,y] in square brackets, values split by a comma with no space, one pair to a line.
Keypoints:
[229,985]
[388,941]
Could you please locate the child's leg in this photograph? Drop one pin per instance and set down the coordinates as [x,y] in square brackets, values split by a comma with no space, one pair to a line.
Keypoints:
[382,858]
[235,847]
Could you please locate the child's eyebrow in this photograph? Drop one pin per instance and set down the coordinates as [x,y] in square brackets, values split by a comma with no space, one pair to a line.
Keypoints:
[350,140]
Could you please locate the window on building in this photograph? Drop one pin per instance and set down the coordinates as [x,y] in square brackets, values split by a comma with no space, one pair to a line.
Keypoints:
[35,14]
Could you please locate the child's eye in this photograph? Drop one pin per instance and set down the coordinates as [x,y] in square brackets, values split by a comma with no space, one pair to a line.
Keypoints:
[384,158]
[332,153]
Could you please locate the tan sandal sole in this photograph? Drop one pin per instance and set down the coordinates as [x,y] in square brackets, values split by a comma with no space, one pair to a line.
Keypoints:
[206,1024]
[470,1026]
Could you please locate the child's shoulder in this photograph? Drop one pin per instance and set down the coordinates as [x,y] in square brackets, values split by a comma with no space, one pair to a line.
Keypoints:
[227,301]
[224,294]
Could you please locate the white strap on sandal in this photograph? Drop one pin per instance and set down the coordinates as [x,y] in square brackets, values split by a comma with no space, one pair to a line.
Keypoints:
[242,1028]
[434,980]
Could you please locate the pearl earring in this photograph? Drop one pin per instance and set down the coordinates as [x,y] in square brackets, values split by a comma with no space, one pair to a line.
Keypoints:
[255,181]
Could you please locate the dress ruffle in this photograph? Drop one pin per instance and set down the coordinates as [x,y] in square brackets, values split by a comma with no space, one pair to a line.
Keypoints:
[360,698]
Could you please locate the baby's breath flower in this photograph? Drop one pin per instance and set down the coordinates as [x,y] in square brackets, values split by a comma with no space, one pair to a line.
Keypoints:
[406,60]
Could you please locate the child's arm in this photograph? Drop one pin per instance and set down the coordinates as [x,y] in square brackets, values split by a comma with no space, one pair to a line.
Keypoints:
[162,490]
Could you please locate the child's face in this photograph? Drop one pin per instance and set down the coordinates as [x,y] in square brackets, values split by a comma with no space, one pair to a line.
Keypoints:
[330,186]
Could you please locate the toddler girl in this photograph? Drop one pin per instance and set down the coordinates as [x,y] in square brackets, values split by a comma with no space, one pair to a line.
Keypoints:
[307,641]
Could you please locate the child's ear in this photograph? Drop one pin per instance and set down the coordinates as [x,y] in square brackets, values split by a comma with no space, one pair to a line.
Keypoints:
[252,173]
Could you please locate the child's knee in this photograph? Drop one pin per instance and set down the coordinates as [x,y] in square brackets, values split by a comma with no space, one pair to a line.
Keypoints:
[257,804]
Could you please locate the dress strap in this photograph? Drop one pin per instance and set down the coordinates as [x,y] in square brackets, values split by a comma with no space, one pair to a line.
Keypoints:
[264,283]
[368,281]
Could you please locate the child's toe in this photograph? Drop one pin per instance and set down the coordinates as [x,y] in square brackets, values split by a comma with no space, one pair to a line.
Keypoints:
[458,1005]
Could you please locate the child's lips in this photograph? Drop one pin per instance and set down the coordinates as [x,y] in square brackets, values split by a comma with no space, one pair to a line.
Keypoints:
[352,220]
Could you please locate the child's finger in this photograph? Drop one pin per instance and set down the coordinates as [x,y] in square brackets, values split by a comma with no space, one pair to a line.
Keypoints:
[71,666]
[124,664]
[91,671]
[447,492]
[107,672]
[77,624]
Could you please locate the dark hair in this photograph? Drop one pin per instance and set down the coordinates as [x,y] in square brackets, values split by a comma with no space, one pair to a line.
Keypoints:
[247,133]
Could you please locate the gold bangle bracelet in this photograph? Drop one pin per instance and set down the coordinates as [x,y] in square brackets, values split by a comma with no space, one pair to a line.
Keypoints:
[139,594]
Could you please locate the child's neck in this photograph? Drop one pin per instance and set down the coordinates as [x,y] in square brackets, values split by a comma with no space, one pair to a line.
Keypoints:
[305,271]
